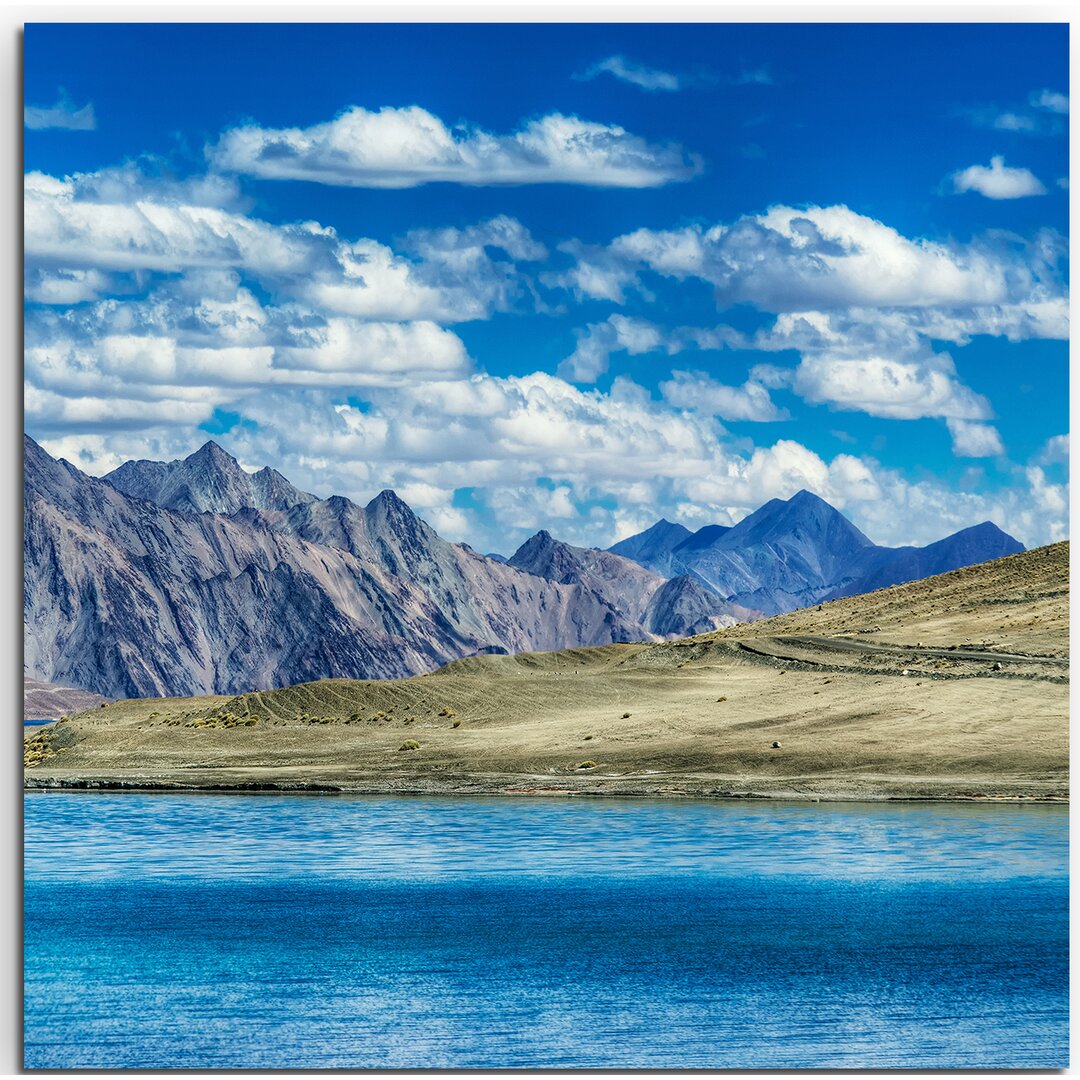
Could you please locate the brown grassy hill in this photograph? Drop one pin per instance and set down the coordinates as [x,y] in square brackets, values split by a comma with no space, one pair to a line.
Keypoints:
[950,687]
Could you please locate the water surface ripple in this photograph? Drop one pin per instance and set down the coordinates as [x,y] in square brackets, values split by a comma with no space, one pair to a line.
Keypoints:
[210,931]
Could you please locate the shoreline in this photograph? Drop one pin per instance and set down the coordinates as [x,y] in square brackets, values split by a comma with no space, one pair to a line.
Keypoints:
[839,791]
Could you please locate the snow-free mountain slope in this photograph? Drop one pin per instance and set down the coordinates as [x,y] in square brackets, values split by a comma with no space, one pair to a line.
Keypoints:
[197,576]
[797,552]
[653,547]
[126,598]
[210,480]
[965,548]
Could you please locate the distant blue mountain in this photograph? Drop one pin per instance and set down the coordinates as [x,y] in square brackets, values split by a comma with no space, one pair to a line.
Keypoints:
[653,547]
[704,537]
[797,552]
[980,543]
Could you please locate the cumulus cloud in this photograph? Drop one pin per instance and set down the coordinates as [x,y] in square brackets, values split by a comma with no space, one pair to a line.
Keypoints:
[532,507]
[696,390]
[1052,100]
[407,147]
[65,286]
[121,222]
[598,341]
[63,115]
[1030,508]
[860,302]
[998,181]
[882,386]
[646,78]
[1055,451]
[974,440]
[221,347]
[157,304]
[796,259]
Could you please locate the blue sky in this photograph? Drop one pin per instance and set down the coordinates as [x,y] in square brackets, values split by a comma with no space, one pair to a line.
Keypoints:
[574,277]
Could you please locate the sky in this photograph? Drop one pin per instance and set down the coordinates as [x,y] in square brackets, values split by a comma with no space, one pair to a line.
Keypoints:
[574,277]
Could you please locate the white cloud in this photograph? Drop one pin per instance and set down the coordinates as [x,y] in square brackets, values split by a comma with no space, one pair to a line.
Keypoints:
[287,325]
[407,147]
[636,74]
[1052,100]
[123,223]
[1055,452]
[1032,510]
[881,386]
[65,287]
[813,258]
[998,181]
[611,460]
[598,341]
[1011,121]
[63,115]
[695,390]
[226,345]
[974,440]
[49,411]
[371,348]
[859,301]
[532,507]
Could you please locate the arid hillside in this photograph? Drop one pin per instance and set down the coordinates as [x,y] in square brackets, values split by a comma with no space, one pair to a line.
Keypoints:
[955,686]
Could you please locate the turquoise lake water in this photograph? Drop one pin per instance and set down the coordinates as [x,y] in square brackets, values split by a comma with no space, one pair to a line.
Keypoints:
[206,931]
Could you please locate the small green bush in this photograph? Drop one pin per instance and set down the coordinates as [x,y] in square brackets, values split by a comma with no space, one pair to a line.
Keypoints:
[456,723]
[626,716]
[721,698]
[586,765]
[409,744]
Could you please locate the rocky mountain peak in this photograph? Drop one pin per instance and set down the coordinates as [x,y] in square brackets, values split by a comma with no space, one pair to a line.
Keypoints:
[210,480]
[390,509]
[210,451]
[805,516]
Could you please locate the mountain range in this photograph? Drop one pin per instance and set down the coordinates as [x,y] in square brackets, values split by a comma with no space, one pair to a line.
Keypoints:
[797,552]
[196,576]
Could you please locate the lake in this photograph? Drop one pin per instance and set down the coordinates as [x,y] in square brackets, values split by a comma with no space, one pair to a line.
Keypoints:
[205,931]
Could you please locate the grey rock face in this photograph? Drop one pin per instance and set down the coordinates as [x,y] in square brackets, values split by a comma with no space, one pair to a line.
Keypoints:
[208,481]
[683,606]
[44,701]
[620,582]
[785,555]
[127,598]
